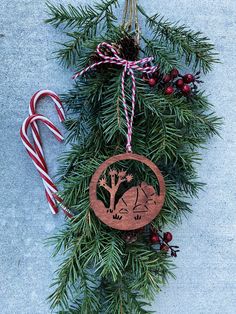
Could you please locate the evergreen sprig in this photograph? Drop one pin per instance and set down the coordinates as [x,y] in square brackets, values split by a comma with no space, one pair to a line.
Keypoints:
[83,22]
[100,272]
[164,55]
[76,17]
[196,48]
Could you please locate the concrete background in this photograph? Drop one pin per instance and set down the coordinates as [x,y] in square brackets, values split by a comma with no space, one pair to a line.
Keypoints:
[206,266]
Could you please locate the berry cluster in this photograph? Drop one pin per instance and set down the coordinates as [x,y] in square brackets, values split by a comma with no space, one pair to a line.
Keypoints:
[163,240]
[155,238]
[174,82]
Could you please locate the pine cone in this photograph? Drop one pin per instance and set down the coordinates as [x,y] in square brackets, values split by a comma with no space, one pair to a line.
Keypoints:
[129,48]
[130,237]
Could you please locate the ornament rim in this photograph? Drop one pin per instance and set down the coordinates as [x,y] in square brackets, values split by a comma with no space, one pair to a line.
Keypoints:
[126,156]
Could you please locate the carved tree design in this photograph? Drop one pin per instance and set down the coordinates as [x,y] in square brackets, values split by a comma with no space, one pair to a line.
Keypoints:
[117,177]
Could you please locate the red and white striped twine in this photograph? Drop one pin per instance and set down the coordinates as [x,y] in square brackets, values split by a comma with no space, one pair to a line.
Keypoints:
[129,68]
[36,151]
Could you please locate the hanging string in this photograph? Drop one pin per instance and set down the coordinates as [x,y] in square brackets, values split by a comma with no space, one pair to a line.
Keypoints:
[129,68]
[130,18]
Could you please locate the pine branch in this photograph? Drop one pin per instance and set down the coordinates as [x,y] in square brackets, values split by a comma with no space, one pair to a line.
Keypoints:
[196,48]
[149,269]
[68,272]
[75,17]
[174,208]
[119,298]
[100,272]
[70,16]
[164,56]
[112,114]
[85,22]
[111,262]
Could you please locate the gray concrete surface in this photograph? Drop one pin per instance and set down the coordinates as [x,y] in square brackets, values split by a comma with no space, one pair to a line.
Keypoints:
[206,266]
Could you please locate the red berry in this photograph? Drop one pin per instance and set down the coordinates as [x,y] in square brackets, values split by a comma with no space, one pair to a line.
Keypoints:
[154,238]
[164,248]
[152,82]
[174,73]
[186,89]
[166,78]
[188,78]
[169,90]
[180,83]
[174,254]
[167,237]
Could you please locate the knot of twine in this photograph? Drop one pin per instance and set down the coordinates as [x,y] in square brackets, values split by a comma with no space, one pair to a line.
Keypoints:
[129,68]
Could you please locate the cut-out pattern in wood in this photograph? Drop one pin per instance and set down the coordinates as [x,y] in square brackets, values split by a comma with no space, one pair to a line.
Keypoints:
[137,206]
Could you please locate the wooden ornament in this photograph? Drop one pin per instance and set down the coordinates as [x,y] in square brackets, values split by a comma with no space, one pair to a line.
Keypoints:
[136,207]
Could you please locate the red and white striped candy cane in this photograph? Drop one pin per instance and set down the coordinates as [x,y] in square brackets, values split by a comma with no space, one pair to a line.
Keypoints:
[32,110]
[37,139]
[129,68]
[50,188]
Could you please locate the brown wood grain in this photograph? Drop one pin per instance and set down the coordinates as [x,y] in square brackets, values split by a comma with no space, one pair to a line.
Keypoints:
[137,207]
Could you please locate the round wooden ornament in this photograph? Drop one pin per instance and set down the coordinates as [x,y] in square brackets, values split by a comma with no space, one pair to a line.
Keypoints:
[137,206]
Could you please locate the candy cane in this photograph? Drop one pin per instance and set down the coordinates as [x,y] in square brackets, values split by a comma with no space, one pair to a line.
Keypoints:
[50,188]
[37,140]
[32,110]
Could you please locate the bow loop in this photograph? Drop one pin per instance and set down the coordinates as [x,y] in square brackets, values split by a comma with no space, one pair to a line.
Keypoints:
[129,68]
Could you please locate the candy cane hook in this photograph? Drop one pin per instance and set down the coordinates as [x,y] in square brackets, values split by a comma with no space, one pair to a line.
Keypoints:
[50,188]
[32,110]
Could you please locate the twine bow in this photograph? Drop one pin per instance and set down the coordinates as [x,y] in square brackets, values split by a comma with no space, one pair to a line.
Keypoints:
[129,68]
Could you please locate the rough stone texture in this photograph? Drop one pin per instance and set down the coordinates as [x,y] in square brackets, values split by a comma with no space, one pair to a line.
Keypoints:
[206,266]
